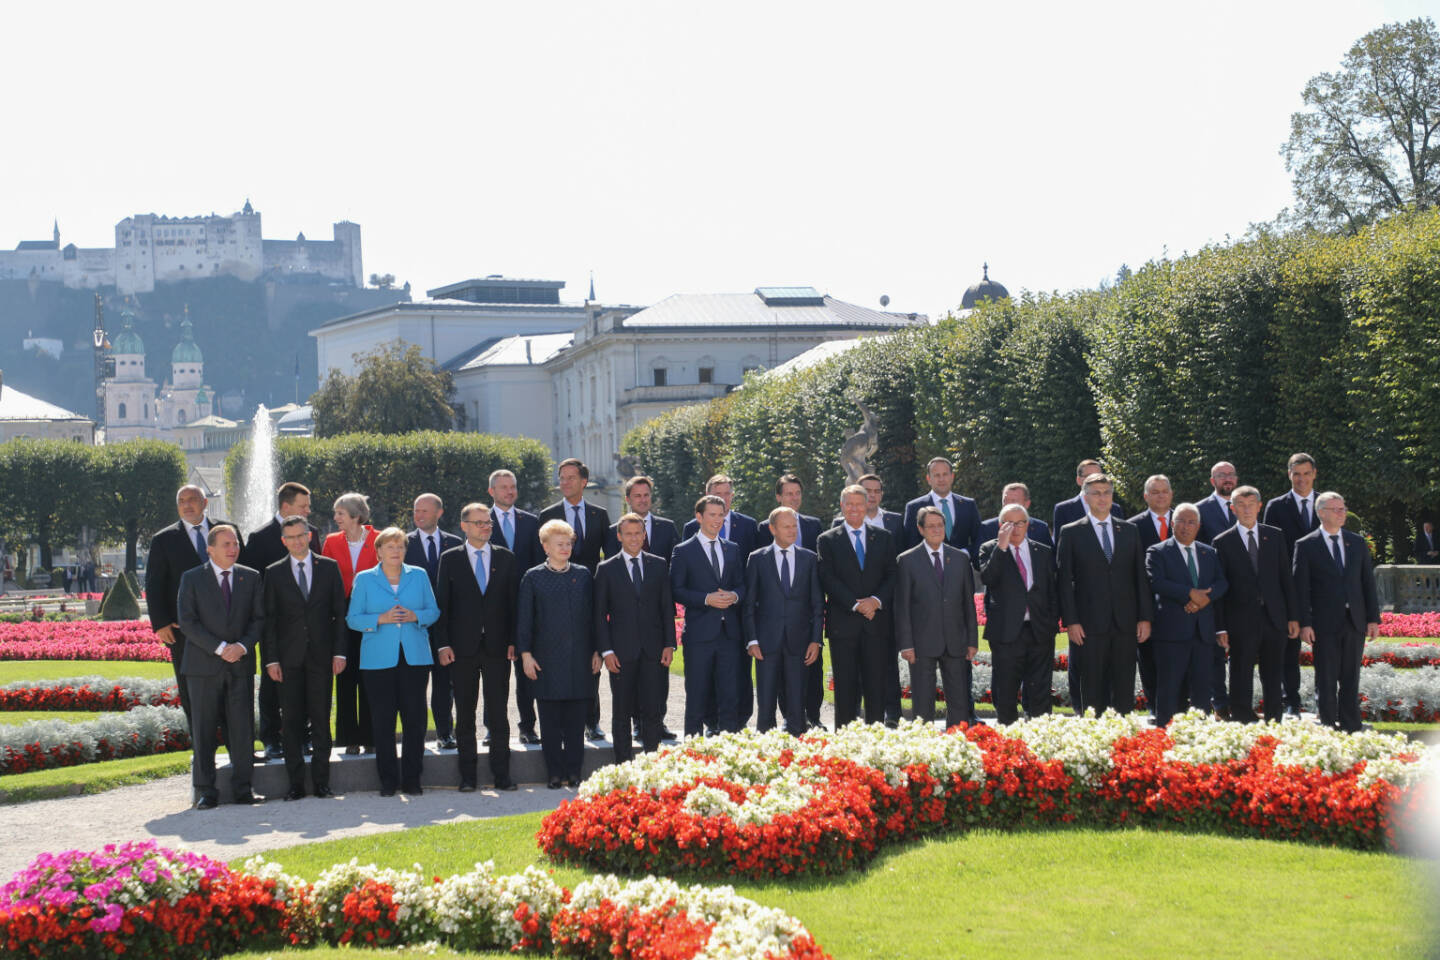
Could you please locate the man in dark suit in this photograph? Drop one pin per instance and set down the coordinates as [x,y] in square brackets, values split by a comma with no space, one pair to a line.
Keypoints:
[476,589]
[707,578]
[304,647]
[590,524]
[423,547]
[935,622]
[174,550]
[1105,600]
[1153,525]
[876,515]
[635,634]
[1339,609]
[1068,511]
[857,572]
[1216,516]
[1427,547]
[519,532]
[962,517]
[261,549]
[661,537]
[1258,612]
[1021,612]
[789,492]
[1015,493]
[1187,580]
[783,618]
[222,615]
[740,530]
[1294,515]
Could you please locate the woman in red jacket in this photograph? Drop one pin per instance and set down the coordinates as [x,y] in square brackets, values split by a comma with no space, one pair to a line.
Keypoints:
[353,548]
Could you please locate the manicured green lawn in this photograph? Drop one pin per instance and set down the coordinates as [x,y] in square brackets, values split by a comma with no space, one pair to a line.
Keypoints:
[91,777]
[1052,893]
[13,670]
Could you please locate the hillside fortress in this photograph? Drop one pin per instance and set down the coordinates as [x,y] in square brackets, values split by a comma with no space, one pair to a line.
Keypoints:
[151,249]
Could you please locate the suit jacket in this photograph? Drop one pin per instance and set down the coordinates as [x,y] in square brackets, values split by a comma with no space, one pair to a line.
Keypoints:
[893,522]
[589,547]
[527,538]
[172,552]
[634,627]
[845,583]
[1170,578]
[964,525]
[662,539]
[778,621]
[1145,524]
[207,622]
[934,618]
[264,546]
[741,532]
[1215,517]
[337,549]
[1281,512]
[1038,531]
[1330,598]
[300,631]
[692,578]
[1426,548]
[1006,598]
[380,643]
[809,533]
[1068,511]
[415,553]
[472,623]
[1100,595]
[1255,597]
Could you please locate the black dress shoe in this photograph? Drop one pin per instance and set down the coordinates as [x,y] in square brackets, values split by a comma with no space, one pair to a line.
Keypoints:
[553,783]
[1292,712]
[250,798]
[309,748]
[274,751]
[485,740]
[594,733]
[573,782]
[667,734]
[387,791]
[711,732]
[1222,712]
[353,750]
[323,792]
[210,803]
[412,791]
[506,785]
[529,736]
[467,788]
[448,743]
[295,795]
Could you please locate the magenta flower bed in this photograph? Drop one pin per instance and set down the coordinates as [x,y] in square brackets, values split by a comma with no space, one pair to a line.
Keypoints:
[81,640]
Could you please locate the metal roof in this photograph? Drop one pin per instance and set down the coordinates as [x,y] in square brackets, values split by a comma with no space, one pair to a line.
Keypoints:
[749,310]
[817,354]
[571,310]
[18,405]
[512,351]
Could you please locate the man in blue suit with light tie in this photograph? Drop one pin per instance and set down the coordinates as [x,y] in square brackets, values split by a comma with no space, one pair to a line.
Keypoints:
[423,547]
[707,578]
[962,517]
[519,532]
[1187,580]
[1068,511]
[783,615]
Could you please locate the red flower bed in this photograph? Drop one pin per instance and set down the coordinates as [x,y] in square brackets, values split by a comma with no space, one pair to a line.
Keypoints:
[117,697]
[81,640]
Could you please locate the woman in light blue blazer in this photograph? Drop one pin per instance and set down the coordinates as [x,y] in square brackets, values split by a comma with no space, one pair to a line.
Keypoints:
[391,605]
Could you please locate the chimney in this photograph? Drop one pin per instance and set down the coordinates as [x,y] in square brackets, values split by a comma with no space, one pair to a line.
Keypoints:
[528,357]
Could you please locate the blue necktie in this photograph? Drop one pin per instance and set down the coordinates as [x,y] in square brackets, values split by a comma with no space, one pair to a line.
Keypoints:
[635,574]
[715,560]
[1305,514]
[508,528]
[199,541]
[1105,542]
[579,527]
[1335,550]
[785,571]
[859,548]
[432,560]
[480,569]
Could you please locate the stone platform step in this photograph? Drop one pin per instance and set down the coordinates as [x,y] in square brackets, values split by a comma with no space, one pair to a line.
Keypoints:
[351,774]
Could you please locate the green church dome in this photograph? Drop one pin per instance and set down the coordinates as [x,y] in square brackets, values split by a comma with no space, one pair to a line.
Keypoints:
[186,351]
[129,341]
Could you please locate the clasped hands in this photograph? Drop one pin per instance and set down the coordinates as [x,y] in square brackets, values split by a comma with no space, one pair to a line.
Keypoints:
[1199,600]
[397,614]
[722,599]
[867,608]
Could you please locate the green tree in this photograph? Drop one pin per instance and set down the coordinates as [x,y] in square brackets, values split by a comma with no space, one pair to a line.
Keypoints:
[1367,143]
[395,390]
[136,490]
[47,493]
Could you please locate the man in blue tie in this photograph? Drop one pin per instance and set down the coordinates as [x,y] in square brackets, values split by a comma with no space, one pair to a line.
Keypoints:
[423,547]
[962,517]
[1294,513]
[782,615]
[707,578]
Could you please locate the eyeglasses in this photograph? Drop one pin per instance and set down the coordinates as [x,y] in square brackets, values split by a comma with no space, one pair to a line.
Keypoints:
[480,523]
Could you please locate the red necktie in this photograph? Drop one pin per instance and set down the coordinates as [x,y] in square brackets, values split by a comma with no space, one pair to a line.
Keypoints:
[1164,529]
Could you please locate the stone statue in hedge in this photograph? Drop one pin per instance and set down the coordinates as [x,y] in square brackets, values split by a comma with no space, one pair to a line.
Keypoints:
[860,445]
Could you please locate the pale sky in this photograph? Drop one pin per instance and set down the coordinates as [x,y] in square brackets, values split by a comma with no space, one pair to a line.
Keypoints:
[862,148]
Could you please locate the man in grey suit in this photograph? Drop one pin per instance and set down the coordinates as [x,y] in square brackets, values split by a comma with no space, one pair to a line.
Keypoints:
[935,623]
[222,616]
[782,616]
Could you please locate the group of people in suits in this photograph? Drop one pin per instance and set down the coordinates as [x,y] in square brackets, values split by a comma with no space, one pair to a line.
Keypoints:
[374,622]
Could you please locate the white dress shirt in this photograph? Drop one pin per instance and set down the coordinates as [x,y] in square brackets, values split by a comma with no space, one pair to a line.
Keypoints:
[630,573]
[220,582]
[719,553]
[484,553]
[850,535]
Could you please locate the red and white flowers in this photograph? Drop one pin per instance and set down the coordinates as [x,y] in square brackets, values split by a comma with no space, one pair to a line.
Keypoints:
[89,693]
[40,744]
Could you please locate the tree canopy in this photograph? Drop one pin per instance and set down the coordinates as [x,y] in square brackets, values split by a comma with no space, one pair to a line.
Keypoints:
[395,390]
[1367,143]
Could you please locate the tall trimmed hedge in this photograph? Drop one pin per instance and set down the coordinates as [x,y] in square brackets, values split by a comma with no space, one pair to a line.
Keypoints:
[393,469]
[1247,352]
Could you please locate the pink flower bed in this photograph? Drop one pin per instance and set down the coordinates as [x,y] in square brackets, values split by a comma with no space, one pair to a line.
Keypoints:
[81,640]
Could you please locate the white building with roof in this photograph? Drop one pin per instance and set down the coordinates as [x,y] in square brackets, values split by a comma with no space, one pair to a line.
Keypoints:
[23,416]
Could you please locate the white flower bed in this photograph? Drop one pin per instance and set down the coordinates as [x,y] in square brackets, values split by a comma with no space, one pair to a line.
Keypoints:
[149,690]
[152,725]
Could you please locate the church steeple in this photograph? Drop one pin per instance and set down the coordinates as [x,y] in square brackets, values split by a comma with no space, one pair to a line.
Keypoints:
[57,231]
